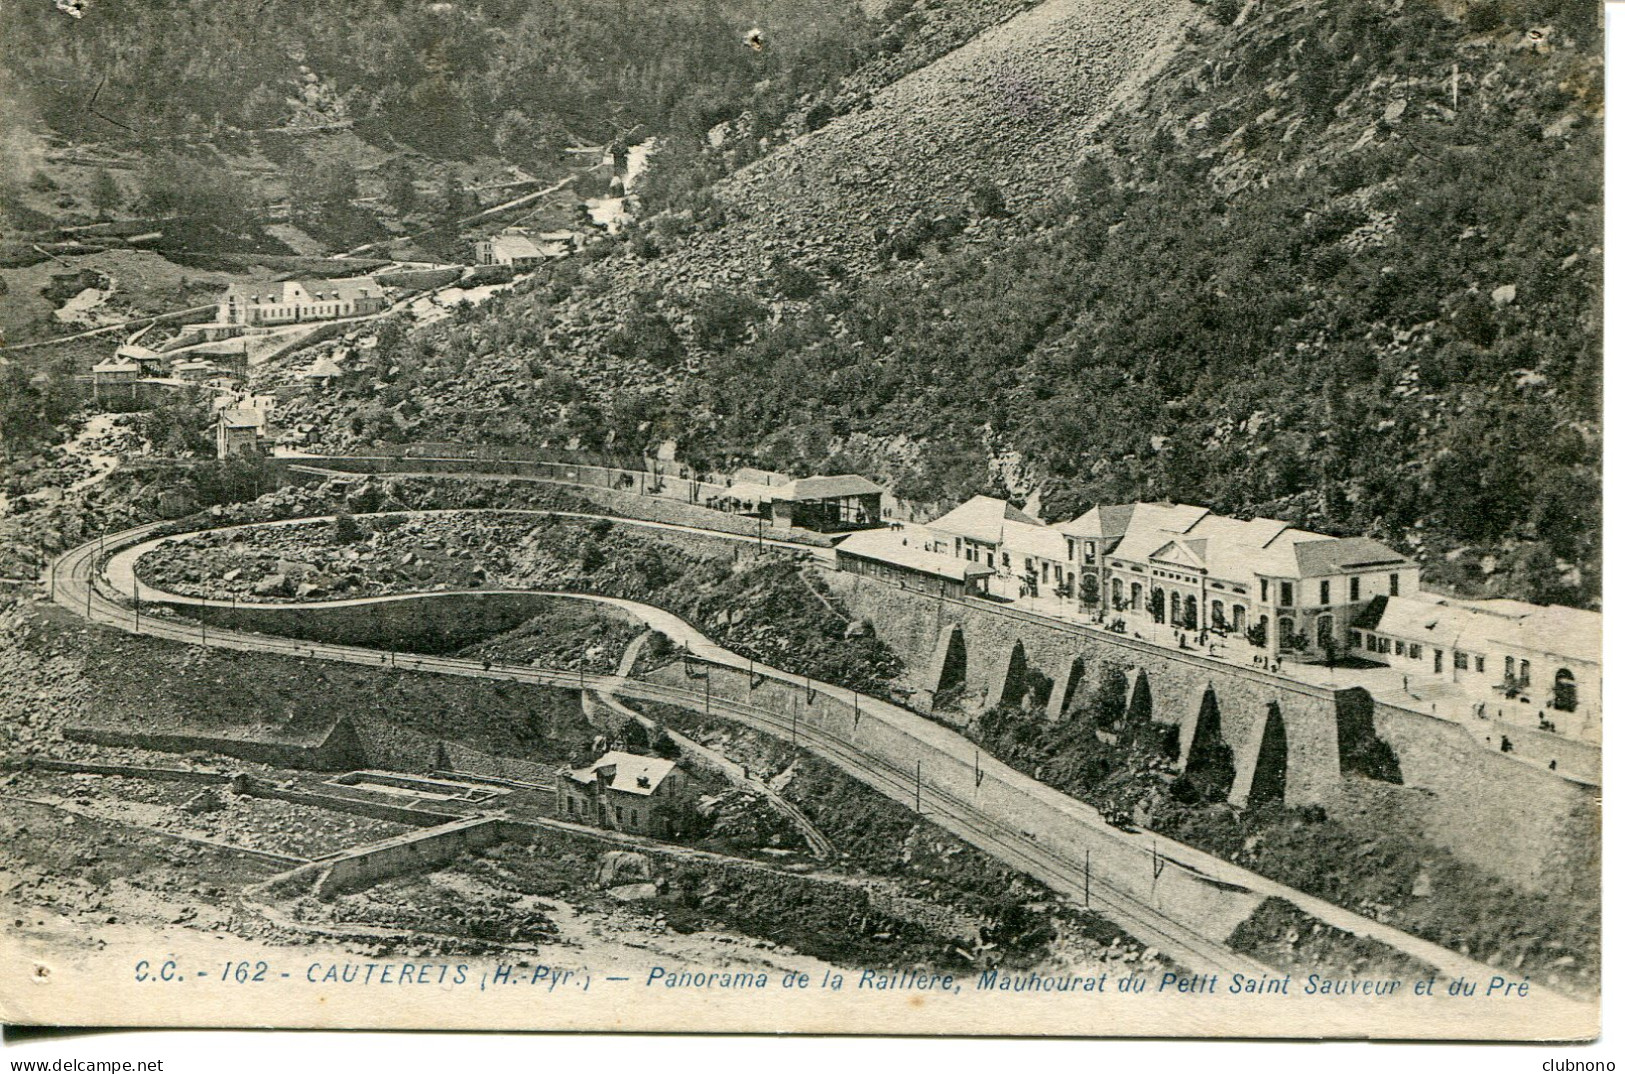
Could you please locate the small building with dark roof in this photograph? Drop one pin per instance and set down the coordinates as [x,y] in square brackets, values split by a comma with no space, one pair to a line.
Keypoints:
[239,431]
[834,504]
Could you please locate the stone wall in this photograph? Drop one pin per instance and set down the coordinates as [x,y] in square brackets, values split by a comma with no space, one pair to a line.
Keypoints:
[905,755]
[1537,828]
[338,751]
[1000,644]
[1510,815]
[417,818]
[453,622]
[406,853]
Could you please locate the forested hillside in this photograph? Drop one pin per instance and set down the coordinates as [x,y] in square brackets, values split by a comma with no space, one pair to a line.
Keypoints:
[446,78]
[1336,262]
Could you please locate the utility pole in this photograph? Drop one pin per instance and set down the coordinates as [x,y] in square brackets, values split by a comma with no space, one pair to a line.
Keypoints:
[917,785]
[138,605]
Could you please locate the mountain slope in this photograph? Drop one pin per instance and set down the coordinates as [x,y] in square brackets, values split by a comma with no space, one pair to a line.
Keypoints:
[1334,262]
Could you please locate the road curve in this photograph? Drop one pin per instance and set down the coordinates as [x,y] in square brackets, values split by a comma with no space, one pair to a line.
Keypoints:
[77,584]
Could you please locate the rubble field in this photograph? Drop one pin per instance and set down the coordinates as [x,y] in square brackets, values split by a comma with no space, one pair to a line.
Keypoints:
[77,875]
[204,812]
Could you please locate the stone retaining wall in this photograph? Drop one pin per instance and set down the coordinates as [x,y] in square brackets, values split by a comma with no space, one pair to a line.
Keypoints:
[1522,822]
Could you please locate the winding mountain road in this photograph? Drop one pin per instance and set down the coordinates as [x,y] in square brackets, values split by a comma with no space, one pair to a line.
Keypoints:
[1028,825]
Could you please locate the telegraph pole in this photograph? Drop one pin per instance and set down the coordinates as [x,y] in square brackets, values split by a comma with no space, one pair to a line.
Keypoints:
[138,605]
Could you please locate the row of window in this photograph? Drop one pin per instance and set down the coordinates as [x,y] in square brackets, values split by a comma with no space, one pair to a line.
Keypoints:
[1513,668]
[578,807]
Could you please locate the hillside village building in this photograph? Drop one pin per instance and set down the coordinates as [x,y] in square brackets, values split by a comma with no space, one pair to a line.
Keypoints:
[197,371]
[975,530]
[149,362]
[114,371]
[292,301]
[1010,542]
[625,792]
[831,504]
[1293,590]
[522,249]
[239,431]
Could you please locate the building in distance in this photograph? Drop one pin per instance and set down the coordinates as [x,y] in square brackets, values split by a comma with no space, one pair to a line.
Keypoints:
[293,301]
[522,249]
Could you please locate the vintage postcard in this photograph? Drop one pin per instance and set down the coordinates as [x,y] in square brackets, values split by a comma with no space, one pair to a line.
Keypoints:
[982,517]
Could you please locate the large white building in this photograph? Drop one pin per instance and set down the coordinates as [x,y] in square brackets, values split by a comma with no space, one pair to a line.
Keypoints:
[1507,654]
[976,531]
[291,301]
[1289,590]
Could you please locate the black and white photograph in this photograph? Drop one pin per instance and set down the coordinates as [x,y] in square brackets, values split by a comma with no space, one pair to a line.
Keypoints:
[982,518]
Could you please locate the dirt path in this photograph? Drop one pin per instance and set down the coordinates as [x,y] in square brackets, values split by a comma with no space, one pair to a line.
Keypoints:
[734,772]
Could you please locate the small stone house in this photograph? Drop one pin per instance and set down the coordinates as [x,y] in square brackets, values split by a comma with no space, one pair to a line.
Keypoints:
[624,792]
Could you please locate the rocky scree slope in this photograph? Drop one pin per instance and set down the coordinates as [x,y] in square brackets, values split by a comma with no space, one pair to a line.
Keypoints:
[1005,112]
[1335,263]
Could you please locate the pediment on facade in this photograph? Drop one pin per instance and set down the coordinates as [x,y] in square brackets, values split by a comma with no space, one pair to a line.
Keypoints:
[1177,554]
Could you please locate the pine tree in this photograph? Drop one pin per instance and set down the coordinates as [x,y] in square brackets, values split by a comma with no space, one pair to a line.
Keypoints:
[105,194]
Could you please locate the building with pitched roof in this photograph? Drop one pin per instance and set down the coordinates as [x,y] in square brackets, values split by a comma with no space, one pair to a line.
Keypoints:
[1038,555]
[239,431]
[115,371]
[625,792]
[523,249]
[292,301]
[148,361]
[828,504]
[1509,654]
[906,556]
[975,530]
[1290,590]
[196,371]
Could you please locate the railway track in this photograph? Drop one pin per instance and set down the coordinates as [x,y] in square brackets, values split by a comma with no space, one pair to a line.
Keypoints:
[1093,863]
[73,580]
